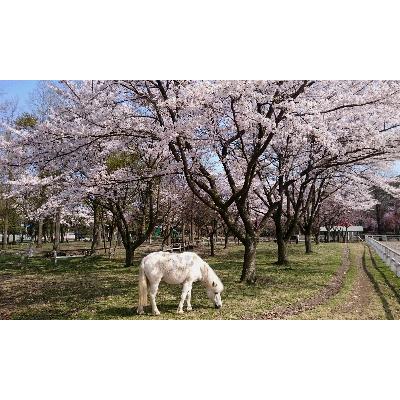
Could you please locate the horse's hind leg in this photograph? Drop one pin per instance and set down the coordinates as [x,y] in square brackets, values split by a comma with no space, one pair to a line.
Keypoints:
[140,310]
[187,287]
[153,293]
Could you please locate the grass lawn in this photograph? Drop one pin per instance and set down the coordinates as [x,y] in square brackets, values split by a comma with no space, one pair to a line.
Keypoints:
[98,288]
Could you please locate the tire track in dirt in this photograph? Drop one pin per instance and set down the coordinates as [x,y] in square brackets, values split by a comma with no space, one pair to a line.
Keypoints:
[332,288]
[361,291]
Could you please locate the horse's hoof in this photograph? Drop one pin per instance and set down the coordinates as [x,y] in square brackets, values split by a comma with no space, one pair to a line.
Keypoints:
[189,309]
[140,312]
[156,312]
[179,311]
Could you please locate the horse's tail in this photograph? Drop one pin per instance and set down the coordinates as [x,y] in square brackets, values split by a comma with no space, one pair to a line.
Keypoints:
[142,287]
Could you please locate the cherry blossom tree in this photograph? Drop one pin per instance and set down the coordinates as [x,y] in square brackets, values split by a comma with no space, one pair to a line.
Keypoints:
[319,144]
[218,132]
[249,150]
[8,111]
[80,160]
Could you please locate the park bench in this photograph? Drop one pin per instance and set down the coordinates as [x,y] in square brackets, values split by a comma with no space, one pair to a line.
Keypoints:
[70,253]
[181,246]
[293,239]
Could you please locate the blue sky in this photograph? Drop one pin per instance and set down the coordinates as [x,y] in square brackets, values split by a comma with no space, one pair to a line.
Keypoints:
[396,169]
[19,90]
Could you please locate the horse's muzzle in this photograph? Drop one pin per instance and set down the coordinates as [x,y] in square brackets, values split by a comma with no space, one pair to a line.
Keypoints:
[217,306]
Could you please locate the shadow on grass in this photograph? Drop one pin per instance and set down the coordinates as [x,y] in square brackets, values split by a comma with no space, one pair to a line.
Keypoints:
[284,267]
[389,285]
[16,263]
[30,292]
[119,312]
[165,309]
[385,304]
[43,312]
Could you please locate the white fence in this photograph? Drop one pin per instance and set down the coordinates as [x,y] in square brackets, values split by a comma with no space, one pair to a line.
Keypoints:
[17,238]
[388,255]
[386,238]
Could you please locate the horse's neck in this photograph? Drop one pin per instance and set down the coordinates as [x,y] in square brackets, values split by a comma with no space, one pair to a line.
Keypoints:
[207,274]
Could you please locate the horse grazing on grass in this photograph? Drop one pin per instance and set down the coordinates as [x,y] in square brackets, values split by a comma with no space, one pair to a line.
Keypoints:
[184,268]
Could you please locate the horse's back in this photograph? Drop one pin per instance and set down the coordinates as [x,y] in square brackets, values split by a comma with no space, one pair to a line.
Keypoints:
[187,256]
[173,268]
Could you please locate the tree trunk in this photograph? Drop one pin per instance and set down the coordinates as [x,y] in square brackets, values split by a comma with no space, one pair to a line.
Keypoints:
[226,240]
[5,226]
[165,233]
[211,236]
[104,233]
[40,234]
[191,230]
[62,233]
[280,241]
[249,261]
[280,236]
[51,232]
[45,232]
[169,237]
[129,253]
[126,241]
[307,237]
[282,250]
[110,239]
[57,226]
[96,242]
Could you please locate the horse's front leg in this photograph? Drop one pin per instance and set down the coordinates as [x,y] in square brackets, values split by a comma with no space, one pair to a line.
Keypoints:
[187,286]
[153,293]
[189,297]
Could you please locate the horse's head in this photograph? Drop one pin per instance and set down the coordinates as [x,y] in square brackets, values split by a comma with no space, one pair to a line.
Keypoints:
[214,293]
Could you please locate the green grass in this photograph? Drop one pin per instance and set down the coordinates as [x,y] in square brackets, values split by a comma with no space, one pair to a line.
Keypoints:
[98,288]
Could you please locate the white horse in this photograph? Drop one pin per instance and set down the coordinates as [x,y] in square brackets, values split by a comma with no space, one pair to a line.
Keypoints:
[184,268]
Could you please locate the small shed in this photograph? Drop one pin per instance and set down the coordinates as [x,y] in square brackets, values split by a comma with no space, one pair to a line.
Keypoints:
[336,232]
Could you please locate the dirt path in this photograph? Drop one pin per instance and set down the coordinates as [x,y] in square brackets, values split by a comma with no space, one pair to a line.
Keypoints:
[321,297]
[361,292]
[370,291]
[374,294]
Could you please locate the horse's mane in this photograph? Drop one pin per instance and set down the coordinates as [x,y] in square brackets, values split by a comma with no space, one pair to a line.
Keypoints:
[209,276]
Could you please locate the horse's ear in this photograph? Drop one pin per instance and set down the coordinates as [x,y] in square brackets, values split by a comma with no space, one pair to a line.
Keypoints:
[214,284]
